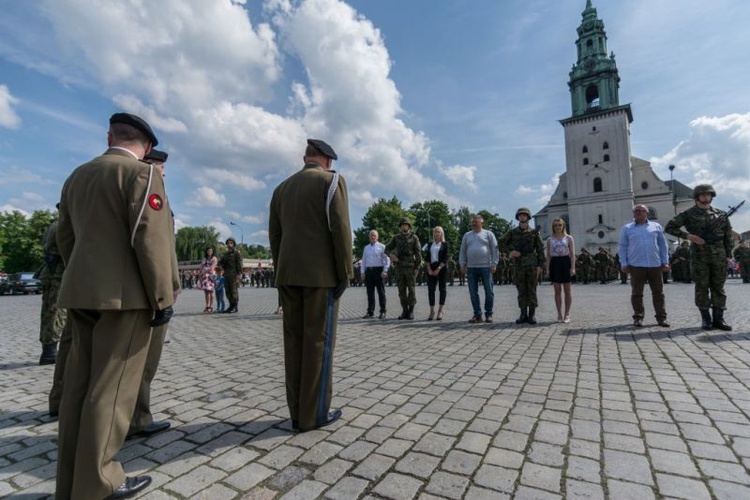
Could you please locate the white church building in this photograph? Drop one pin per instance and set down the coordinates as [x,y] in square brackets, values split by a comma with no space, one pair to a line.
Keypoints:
[603,180]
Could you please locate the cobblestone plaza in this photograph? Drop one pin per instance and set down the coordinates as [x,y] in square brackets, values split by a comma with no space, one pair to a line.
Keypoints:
[432,409]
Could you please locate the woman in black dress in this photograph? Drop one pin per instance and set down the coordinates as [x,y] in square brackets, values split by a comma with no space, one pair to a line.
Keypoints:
[561,266]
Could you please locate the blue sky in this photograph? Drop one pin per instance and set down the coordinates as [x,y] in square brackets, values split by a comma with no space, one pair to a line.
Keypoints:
[454,100]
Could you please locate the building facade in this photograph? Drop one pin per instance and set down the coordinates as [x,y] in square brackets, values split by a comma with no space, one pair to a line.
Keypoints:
[602,179]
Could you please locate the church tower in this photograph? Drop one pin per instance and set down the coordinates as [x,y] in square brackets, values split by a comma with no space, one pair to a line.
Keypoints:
[597,142]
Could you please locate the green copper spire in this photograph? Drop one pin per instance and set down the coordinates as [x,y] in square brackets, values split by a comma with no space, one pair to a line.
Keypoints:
[594,82]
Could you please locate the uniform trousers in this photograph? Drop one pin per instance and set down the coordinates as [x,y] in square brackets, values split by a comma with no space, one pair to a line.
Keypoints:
[709,267]
[526,281]
[55,394]
[142,415]
[638,278]
[102,378]
[230,286]
[374,281]
[310,323]
[52,317]
[405,283]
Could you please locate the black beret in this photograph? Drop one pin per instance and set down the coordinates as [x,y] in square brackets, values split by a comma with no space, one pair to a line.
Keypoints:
[323,148]
[157,156]
[137,122]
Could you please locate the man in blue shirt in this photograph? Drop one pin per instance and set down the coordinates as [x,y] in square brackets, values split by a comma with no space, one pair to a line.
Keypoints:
[643,254]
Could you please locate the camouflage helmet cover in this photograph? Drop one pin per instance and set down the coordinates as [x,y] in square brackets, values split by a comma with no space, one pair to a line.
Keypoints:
[703,188]
[405,220]
[523,210]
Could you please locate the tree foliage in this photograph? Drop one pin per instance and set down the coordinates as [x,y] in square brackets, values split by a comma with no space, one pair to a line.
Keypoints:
[21,239]
[191,242]
[384,216]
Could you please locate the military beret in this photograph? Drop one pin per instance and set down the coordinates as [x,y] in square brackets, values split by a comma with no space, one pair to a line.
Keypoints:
[157,156]
[323,148]
[137,122]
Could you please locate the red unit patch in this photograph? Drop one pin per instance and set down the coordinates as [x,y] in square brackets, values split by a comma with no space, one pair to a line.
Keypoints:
[155,202]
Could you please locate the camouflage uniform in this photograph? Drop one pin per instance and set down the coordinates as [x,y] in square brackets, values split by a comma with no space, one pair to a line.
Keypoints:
[529,243]
[601,261]
[742,256]
[406,247]
[231,262]
[681,263]
[708,261]
[583,266]
[52,317]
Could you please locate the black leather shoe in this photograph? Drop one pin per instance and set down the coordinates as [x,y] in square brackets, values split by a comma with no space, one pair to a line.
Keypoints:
[381,315]
[131,486]
[367,316]
[331,418]
[54,414]
[150,430]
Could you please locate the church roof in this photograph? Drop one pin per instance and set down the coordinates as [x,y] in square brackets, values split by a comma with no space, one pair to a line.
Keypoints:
[680,190]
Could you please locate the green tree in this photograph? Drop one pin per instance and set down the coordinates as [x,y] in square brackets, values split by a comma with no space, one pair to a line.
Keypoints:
[495,223]
[191,242]
[426,215]
[383,215]
[21,239]
[255,252]
[462,220]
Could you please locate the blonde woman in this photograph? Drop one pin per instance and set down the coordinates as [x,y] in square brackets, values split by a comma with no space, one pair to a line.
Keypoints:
[561,266]
[437,258]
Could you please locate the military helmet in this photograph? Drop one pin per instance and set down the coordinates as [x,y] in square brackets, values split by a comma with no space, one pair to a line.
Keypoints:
[523,210]
[232,240]
[405,220]
[703,188]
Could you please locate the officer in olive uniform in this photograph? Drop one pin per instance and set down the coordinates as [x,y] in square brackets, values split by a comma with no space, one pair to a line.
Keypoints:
[311,244]
[742,256]
[406,255]
[52,321]
[142,423]
[601,265]
[115,237]
[709,231]
[583,265]
[525,247]
[231,262]
[680,263]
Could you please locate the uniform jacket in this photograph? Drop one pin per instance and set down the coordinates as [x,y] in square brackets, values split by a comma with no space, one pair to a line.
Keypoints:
[231,262]
[306,252]
[53,265]
[700,222]
[528,242]
[105,205]
[407,249]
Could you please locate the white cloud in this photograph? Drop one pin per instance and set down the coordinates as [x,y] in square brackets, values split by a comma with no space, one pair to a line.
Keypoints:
[221,176]
[8,208]
[206,197]
[18,175]
[716,152]
[542,192]
[461,175]
[251,219]
[8,117]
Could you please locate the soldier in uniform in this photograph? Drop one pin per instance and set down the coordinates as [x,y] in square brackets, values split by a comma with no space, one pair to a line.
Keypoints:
[406,258]
[114,219]
[742,256]
[709,231]
[52,317]
[524,245]
[583,265]
[601,263]
[681,263]
[231,262]
[311,282]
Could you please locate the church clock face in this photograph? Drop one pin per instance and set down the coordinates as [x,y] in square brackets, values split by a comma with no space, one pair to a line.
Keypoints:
[589,65]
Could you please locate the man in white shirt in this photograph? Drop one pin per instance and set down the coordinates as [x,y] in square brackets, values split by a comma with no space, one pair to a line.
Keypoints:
[374,267]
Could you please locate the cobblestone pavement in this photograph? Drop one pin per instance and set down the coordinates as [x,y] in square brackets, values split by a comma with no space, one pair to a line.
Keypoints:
[432,409]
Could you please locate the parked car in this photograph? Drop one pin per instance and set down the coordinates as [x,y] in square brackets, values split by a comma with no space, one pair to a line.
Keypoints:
[21,283]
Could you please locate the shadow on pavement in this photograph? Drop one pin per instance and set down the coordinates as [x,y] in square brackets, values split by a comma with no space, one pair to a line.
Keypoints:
[17,365]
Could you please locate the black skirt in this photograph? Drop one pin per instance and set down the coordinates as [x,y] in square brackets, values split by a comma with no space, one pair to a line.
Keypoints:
[559,269]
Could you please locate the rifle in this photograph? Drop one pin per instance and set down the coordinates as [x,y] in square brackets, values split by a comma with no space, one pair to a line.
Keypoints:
[709,234]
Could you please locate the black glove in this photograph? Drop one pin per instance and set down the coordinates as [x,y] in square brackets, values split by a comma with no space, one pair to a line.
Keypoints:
[162,317]
[339,290]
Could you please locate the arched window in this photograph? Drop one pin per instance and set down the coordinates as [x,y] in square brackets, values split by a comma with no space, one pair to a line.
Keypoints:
[589,44]
[601,219]
[585,161]
[606,157]
[652,213]
[597,184]
[605,145]
[592,96]
[585,149]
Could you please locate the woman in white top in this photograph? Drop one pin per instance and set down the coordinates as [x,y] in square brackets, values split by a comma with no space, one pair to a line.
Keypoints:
[437,262]
[561,266]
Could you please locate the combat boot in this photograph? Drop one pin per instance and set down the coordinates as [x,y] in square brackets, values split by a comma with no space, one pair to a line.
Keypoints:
[411,312]
[524,317]
[531,319]
[719,320]
[49,354]
[706,319]
[404,311]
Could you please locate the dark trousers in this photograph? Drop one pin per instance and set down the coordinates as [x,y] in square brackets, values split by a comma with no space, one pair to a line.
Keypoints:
[142,417]
[638,278]
[230,286]
[436,282]
[373,281]
[310,321]
[100,388]
[55,394]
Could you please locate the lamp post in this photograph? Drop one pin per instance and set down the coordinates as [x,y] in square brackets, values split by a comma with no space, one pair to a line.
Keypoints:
[242,233]
[671,188]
